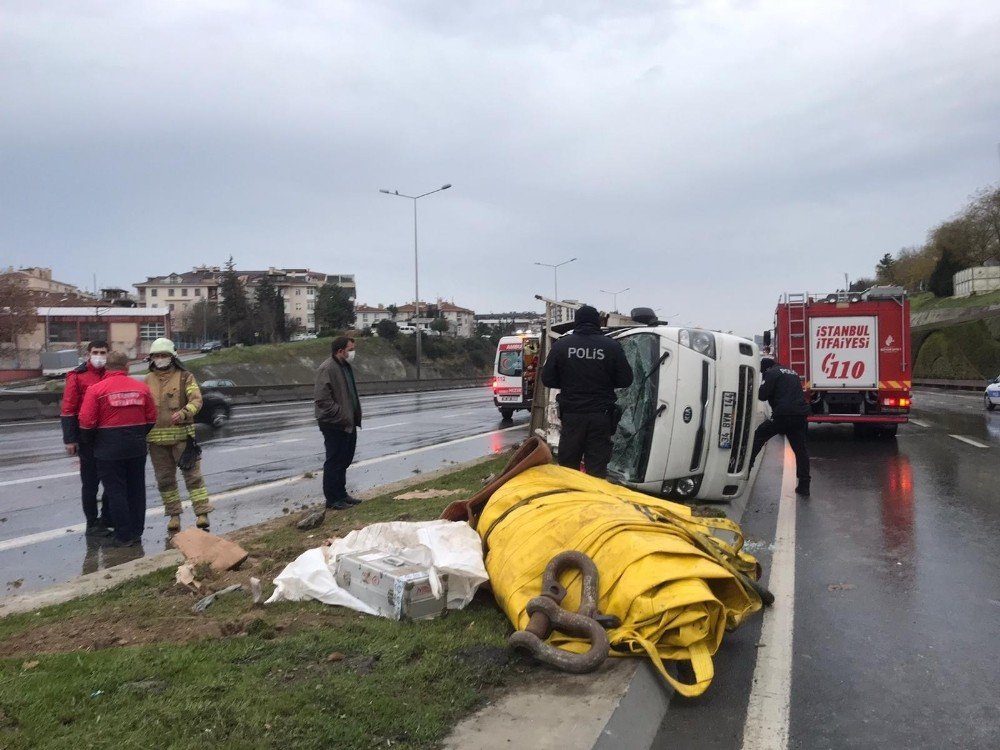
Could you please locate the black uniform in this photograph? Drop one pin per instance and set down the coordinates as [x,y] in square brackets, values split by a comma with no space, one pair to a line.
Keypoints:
[586,366]
[781,388]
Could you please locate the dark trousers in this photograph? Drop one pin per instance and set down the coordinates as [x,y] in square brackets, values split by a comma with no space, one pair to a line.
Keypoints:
[794,429]
[340,447]
[124,481]
[89,484]
[586,437]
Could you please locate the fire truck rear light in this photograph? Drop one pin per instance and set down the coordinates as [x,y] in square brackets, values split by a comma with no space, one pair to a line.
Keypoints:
[904,402]
[890,402]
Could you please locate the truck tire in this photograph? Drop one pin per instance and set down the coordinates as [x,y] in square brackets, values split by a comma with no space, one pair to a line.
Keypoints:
[506,414]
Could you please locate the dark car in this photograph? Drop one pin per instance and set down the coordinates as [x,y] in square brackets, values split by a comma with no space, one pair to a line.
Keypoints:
[212,346]
[215,408]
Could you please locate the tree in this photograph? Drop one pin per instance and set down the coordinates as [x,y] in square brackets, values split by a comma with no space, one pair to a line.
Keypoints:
[942,281]
[204,321]
[334,309]
[269,311]
[387,329]
[884,270]
[18,315]
[440,325]
[861,285]
[393,311]
[235,308]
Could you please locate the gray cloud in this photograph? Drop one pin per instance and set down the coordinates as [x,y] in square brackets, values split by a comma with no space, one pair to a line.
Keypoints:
[707,155]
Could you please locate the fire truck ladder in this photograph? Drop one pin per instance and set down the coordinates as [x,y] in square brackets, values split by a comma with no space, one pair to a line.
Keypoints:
[797,332]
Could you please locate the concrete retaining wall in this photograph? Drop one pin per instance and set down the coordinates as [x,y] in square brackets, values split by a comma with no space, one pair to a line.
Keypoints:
[31,405]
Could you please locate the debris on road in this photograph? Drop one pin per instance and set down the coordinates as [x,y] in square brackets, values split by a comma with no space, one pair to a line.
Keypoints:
[207,601]
[201,547]
[185,576]
[311,521]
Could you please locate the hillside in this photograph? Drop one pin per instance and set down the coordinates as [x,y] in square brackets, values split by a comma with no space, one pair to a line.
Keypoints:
[956,338]
[376,359]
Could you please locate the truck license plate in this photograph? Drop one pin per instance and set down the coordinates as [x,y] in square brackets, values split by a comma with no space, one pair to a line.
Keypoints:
[508,399]
[726,424]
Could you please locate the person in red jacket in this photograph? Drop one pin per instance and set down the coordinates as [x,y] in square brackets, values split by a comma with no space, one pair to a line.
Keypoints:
[117,414]
[77,383]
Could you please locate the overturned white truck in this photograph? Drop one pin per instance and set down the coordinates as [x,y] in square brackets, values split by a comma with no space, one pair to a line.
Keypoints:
[689,416]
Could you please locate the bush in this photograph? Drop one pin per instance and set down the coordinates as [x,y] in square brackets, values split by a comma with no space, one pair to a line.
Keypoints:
[968,351]
[387,329]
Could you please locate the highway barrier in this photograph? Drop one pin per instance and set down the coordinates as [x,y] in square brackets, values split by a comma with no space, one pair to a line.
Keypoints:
[45,404]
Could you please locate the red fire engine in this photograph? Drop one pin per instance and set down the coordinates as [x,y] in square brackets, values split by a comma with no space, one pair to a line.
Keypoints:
[852,352]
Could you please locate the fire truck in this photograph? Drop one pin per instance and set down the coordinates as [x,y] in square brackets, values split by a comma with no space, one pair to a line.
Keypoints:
[852,353]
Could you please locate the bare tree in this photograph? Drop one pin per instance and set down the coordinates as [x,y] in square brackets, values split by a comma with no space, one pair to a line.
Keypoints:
[18,315]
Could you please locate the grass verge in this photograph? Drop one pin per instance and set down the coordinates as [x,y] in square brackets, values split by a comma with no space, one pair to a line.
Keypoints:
[925,301]
[134,667]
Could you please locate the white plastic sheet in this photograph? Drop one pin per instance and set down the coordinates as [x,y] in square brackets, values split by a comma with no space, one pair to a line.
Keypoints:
[447,547]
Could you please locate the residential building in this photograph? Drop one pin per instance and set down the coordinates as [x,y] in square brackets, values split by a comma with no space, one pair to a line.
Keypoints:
[299,287]
[368,316]
[513,321]
[44,288]
[461,320]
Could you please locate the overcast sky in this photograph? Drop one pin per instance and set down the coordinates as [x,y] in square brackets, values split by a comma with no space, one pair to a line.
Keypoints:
[707,155]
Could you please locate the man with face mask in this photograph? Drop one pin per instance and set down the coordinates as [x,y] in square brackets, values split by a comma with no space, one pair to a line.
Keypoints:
[77,383]
[178,399]
[338,412]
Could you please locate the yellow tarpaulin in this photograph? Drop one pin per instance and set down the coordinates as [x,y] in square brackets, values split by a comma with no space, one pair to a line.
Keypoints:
[675,581]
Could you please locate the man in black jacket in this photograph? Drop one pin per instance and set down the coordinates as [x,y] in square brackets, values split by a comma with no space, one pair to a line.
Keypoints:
[338,412]
[586,366]
[782,389]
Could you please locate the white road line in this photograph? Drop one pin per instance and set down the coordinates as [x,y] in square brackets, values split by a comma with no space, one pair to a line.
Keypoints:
[969,441]
[919,423]
[460,414]
[157,510]
[259,445]
[28,480]
[383,426]
[769,706]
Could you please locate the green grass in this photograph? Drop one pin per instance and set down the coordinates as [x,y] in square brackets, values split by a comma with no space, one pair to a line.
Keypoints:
[966,351]
[926,301]
[264,679]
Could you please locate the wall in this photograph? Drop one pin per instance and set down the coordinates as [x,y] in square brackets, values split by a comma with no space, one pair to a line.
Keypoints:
[978,280]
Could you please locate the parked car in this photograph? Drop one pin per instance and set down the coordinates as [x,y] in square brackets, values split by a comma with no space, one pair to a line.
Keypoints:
[991,398]
[216,408]
[218,383]
[303,336]
[212,346]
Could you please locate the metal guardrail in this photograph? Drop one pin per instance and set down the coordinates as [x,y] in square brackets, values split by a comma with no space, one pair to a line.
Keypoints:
[960,385]
[36,404]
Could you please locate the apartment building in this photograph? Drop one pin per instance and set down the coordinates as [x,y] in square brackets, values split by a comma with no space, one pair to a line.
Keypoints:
[461,320]
[299,287]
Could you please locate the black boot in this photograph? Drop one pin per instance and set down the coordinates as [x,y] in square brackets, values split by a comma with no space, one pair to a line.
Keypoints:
[802,488]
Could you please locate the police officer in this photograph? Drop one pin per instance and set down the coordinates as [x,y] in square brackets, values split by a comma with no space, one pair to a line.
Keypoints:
[586,366]
[781,388]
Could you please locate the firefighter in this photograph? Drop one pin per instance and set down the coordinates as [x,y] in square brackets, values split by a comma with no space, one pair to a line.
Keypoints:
[178,399]
[77,383]
[586,366]
[781,388]
[116,414]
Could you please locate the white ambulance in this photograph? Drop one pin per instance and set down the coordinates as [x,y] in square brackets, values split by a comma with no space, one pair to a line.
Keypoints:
[514,372]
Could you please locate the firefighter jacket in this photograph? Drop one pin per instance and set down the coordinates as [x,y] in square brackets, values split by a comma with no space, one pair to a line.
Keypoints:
[116,414]
[586,366]
[335,396]
[173,389]
[77,383]
[781,388]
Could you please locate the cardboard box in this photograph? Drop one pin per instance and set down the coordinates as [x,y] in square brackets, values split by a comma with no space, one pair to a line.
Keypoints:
[394,586]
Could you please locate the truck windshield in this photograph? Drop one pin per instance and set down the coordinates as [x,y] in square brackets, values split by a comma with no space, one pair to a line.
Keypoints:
[630,446]
[510,363]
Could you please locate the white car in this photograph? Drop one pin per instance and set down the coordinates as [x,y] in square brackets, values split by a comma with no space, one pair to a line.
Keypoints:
[991,398]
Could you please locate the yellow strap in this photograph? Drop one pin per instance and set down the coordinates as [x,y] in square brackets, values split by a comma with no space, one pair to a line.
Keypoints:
[701,665]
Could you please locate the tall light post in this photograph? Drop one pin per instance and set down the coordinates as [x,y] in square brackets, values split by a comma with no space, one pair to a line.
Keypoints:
[614,297]
[555,274]
[416,265]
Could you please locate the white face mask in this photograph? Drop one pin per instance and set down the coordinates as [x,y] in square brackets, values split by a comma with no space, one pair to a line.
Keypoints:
[161,364]
[350,356]
[98,360]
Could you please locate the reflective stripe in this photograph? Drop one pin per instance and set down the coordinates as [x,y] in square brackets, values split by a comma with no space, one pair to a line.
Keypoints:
[170,435]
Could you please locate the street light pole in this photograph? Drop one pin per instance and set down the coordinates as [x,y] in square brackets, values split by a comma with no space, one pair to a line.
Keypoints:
[614,296]
[416,263]
[555,278]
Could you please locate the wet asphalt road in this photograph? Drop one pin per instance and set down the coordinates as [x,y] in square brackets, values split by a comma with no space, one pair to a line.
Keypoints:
[254,468]
[896,597]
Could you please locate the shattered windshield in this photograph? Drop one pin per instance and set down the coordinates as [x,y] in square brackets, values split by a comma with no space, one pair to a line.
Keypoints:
[637,403]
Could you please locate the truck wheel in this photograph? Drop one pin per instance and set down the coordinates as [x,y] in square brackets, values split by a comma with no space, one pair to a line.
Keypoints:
[506,414]
[989,404]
